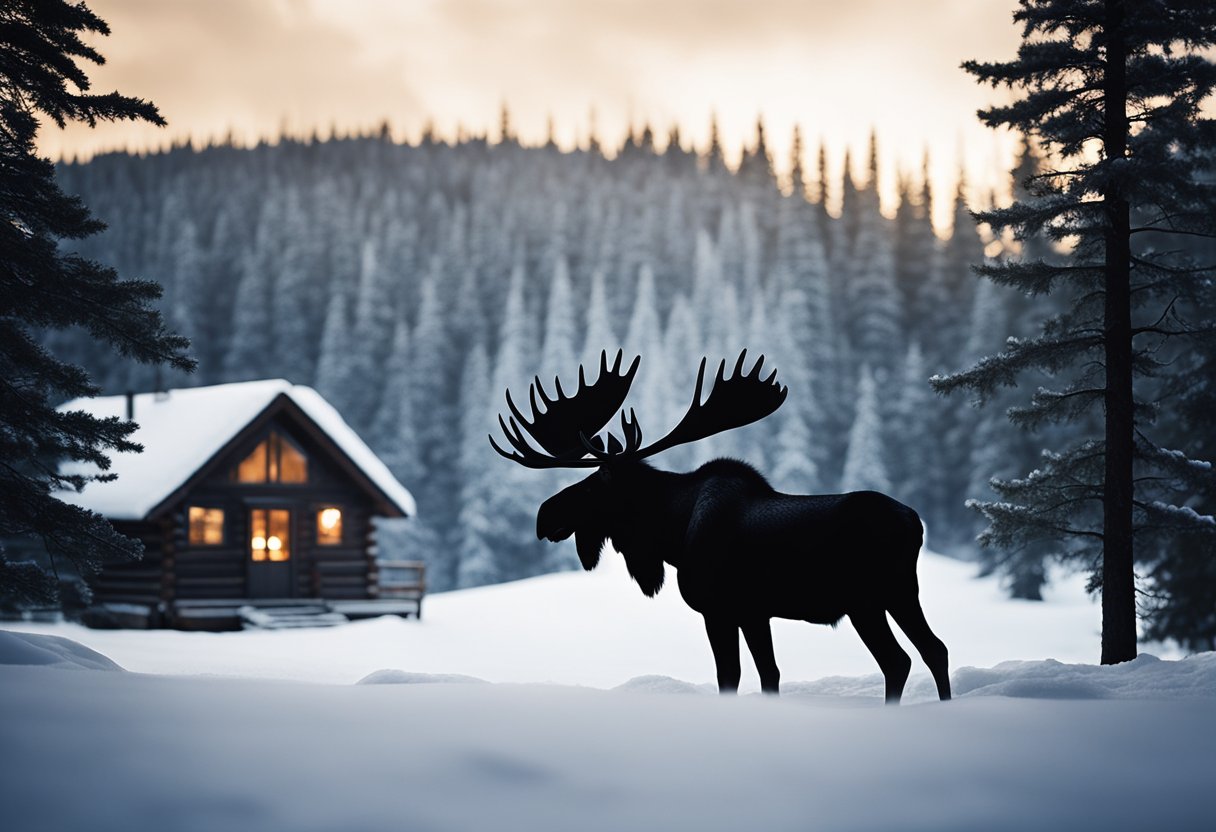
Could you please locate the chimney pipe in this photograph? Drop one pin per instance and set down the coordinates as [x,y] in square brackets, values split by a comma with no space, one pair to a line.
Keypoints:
[130,405]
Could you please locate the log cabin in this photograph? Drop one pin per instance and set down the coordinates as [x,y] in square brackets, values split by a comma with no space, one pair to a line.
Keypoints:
[255,504]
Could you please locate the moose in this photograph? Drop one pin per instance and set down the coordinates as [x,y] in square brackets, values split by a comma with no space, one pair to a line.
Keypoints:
[744,553]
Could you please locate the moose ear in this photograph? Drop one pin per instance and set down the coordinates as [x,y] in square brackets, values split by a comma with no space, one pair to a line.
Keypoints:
[589,543]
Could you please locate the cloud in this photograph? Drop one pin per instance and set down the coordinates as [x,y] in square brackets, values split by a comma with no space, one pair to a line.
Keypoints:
[838,69]
[250,66]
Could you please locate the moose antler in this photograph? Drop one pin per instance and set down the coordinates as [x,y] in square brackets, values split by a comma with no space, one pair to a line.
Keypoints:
[568,427]
[732,403]
[560,429]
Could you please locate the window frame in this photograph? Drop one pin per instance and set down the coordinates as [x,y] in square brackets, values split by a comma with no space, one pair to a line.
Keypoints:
[203,544]
[317,510]
[270,460]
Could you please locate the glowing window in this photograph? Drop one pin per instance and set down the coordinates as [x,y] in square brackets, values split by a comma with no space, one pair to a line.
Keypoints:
[329,526]
[270,534]
[275,459]
[206,526]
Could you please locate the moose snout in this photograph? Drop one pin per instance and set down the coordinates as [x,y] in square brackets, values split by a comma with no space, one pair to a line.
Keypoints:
[549,526]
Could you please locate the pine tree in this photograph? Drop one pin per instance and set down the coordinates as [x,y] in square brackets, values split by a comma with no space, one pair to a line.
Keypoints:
[798,188]
[795,467]
[877,320]
[684,346]
[436,427]
[251,348]
[1112,89]
[653,394]
[913,246]
[865,466]
[42,287]
[598,334]
[385,435]
[333,379]
[910,432]
[299,299]
[476,549]
[374,322]
[187,305]
[558,356]
[715,159]
[513,492]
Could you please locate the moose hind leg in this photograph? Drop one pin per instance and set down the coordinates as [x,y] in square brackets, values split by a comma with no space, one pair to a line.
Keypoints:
[759,639]
[724,641]
[871,625]
[911,619]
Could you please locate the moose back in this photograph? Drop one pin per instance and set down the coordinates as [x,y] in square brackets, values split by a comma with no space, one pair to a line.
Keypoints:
[744,552]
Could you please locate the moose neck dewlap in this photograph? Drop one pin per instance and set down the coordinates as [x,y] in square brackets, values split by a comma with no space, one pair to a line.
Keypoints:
[649,519]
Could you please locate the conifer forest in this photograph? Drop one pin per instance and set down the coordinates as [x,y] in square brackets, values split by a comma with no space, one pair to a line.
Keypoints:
[411,284]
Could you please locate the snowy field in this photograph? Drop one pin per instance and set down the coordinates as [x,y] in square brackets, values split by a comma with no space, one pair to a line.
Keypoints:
[601,718]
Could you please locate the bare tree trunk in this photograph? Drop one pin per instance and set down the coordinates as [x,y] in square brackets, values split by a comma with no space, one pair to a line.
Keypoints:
[1118,576]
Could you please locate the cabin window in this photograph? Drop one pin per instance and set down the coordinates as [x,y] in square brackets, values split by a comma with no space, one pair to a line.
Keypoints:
[329,526]
[275,459]
[206,526]
[270,534]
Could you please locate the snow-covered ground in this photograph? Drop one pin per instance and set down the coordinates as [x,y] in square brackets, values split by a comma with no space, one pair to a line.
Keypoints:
[602,719]
[597,629]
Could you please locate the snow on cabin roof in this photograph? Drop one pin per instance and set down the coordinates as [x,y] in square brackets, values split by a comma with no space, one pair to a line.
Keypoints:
[183,429]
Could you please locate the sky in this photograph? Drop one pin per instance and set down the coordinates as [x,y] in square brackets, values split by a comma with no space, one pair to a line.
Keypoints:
[836,69]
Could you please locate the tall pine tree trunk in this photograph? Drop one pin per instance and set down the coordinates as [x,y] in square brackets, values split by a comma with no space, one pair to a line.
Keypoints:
[1118,578]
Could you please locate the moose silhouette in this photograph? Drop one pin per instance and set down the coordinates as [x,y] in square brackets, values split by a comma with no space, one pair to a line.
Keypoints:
[744,552]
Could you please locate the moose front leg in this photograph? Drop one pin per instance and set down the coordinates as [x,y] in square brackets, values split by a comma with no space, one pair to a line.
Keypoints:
[724,641]
[759,637]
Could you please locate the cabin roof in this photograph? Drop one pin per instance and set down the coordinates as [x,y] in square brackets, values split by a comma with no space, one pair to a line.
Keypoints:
[182,430]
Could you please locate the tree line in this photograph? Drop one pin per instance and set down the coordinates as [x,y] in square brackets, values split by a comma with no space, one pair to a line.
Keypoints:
[411,284]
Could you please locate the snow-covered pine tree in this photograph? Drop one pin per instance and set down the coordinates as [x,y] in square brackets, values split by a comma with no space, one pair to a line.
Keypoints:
[433,383]
[1182,569]
[558,351]
[812,331]
[512,492]
[795,451]
[999,449]
[876,320]
[865,465]
[374,322]
[914,246]
[598,335]
[477,551]
[1114,91]
[299,294]
[653,392]
[910,433]
[684,346]
[391,434]
[43,287]
[186,306]
[333,377]
[823,195]
[251,348]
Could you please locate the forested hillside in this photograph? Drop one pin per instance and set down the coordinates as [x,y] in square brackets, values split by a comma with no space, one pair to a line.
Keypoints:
[412,284]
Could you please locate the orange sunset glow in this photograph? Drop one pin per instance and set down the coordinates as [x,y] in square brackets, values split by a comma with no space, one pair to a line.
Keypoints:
[255,69]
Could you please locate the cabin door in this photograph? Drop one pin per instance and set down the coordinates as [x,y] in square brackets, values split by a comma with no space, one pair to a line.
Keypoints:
[270,553]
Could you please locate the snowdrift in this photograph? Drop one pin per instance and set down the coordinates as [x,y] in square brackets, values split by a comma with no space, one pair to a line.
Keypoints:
[631,739]
[50,651]
[122,751]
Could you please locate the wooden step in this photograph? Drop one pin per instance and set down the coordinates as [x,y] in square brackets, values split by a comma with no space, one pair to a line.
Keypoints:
[290,616]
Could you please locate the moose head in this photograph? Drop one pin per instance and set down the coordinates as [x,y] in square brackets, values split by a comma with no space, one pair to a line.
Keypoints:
[618,499]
